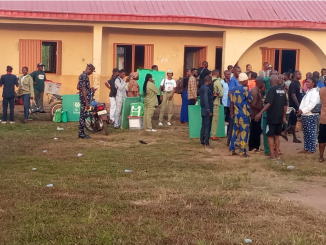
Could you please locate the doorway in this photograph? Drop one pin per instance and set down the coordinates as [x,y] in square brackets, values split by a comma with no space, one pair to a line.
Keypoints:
[218,59]
[193,57]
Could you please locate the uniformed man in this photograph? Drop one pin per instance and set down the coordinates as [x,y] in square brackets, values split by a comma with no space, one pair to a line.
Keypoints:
[85,98]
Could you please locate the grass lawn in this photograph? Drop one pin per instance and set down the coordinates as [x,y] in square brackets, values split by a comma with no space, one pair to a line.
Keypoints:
[177,193]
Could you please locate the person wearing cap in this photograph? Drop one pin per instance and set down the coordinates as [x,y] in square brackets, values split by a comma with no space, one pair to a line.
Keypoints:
[113,93]
[38,79]
[240,111]
[26,90]
[276,107]
[120,85]
[85,97]
[8,81]
[168,86]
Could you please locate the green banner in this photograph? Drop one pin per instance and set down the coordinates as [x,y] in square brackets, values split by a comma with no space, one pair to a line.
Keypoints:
[158,76]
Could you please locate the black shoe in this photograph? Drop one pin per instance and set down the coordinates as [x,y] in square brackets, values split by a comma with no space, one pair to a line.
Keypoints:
[84,136]
[42,112]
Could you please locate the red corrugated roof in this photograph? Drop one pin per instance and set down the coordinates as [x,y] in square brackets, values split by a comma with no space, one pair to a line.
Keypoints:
[263,14]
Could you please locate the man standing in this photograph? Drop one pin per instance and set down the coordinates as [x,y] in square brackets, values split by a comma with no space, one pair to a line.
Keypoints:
[295,97]
[168,86]
[252,80]
[202,73]
[84,98]
[39,78]
[225,83]
[287,79]
[233,82]
[240,110]
[265,72]
[206,103]
[8,81]
[230,69]
[256,106]
[322,79]
[276,106]
[248,68]
[192,87]
[120,85]
[320,84]
[264,120]
[218,94]
[113,93]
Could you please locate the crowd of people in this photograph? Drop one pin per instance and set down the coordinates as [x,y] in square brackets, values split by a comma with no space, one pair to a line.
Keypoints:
[30,87]
[268,103]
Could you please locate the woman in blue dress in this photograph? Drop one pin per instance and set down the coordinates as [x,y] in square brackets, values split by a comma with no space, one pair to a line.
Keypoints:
[184,118]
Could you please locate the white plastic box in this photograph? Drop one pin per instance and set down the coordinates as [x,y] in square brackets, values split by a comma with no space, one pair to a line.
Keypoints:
[52,87]
[136,123]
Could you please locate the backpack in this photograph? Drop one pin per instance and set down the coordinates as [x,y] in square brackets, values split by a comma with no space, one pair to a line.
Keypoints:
[179,88]
[57,116]
[64,116]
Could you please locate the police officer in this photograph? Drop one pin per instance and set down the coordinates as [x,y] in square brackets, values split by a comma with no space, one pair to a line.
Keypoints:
[85,98]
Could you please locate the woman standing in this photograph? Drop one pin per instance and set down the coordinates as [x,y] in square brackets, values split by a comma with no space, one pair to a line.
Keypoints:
[184,116]
[133,87]
[309,119]
[26,91]
[120,85]
[150,101]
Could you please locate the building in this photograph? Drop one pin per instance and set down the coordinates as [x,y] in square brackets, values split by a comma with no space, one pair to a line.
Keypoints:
[66,35]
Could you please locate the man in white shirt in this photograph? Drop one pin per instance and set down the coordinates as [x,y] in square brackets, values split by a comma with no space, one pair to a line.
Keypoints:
[168,86]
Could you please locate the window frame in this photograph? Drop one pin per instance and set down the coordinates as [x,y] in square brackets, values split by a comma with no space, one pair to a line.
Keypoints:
[148,53]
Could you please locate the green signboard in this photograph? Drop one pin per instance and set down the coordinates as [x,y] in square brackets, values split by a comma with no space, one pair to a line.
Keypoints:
[158,76]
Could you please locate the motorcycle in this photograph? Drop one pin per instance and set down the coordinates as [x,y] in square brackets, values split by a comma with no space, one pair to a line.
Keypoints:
[57,103]
[98,117]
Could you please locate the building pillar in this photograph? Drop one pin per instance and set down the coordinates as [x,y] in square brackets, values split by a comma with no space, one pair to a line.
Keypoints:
[97,54]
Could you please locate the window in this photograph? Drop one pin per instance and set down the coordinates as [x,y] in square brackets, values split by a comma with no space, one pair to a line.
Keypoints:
[133,56]
[49,56]
[218,59]
[282,60]
[194,57]
[32,52]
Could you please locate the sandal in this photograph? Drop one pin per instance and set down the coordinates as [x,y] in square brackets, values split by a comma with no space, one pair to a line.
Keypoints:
[284,137]
[296,141]
[233,153]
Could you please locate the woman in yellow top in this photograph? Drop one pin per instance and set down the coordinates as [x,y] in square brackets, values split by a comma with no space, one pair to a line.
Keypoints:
[150,101]
[26,91]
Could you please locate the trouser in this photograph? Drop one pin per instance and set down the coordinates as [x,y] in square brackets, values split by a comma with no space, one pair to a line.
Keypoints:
[230,129]
[26,102]
[82,118]
[166,96]
[254,138]
[227,114]
[113,106]
[309,132]
[39,99]
[242,129]
[192,102]
[216,110]
[159,100]
[118,111]
[205,130]
[317,126]
[266,147]
[11,103]
[148,115]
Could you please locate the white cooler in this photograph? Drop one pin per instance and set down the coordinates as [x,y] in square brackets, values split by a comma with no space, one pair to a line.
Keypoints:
[136,122]
[52,87]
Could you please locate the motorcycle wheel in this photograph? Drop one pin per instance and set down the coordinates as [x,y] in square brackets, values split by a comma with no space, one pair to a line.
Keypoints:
[55,107]
[105,128]
[93,124]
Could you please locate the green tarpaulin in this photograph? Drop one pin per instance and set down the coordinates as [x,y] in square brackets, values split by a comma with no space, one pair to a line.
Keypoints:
[194,112]
[158,76]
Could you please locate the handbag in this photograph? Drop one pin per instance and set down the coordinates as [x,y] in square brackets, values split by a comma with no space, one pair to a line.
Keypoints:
[317,108]
[34,107]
